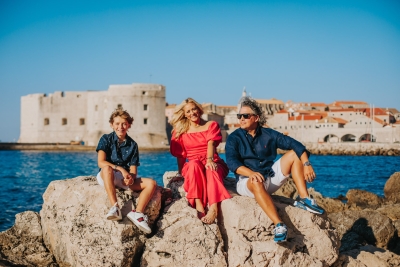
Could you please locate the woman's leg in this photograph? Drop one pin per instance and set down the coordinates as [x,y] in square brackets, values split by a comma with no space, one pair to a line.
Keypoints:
[216,191]
[195,184]
[107,175]
[147,187]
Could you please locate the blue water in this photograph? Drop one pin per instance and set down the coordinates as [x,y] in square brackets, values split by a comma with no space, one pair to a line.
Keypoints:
[25,175]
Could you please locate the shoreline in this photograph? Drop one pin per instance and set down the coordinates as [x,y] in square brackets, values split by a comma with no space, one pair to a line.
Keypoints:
[62,147]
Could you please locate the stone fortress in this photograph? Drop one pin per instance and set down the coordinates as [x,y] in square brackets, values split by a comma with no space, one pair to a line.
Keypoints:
[82,117]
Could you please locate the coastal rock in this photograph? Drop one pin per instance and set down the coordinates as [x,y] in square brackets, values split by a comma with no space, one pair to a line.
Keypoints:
[183,240]
[364,227]
[361,199]
[367,256]
[23,244]
[248,237]
[173,181]
[77,232]
[392,188]
[392,211]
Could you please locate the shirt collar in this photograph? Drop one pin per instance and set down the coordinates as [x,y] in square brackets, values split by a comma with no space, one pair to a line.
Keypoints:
[258,131]
[115,139]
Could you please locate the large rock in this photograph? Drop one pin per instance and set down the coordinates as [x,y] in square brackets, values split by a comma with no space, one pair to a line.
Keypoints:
[247,232]
[173,181]
[76,231]
[23,244]
[391,211]
[392,188]
[368,226]
[361,199]
[183,240]
[368,256]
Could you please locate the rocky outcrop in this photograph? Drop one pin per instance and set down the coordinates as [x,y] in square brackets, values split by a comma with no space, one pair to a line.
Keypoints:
[75,231]
[361,199]
[23,244]
[392,188]
[183,240]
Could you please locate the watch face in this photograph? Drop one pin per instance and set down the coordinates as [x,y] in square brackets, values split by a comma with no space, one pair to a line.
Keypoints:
[307,163]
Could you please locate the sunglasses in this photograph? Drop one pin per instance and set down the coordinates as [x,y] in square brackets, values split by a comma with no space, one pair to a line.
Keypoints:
[245,115]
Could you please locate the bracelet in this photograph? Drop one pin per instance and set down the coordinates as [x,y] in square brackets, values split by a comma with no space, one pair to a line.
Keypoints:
[212,158]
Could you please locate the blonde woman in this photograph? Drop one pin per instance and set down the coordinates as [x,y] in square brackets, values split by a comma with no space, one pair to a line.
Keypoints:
[195,140]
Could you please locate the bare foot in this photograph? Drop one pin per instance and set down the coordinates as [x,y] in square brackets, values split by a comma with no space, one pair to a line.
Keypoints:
[210,216]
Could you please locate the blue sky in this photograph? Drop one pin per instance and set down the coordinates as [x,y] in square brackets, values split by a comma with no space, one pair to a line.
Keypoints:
[304,51]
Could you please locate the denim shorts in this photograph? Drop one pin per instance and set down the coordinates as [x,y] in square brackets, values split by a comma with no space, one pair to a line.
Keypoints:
[271,184]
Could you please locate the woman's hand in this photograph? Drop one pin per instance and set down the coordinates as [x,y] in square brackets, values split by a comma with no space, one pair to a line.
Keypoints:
[309,174]
[211,165]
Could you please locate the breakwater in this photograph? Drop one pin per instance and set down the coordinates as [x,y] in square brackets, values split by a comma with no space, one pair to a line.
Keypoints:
[348,148]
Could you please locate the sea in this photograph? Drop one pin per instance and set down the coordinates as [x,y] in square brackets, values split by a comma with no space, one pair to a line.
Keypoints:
[25,175]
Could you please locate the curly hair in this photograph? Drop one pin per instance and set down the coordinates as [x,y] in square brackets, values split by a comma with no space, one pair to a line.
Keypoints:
[120,113]
[179,122]
[255,107]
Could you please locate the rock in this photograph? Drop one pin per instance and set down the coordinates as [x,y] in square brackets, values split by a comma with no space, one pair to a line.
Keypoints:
[391,211]
[392,188]
[183,240]
[373,227]
[287,190]
[173,181]
[367,256]
[23,244]
[248,237]
[77,232]
[361,199]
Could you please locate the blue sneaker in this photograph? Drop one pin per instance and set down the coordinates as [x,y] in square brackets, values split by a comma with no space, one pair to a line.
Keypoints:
[309,204]
[280,233]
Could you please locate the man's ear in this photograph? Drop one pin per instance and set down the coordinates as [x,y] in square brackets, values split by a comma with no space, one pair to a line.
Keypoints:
[258,118]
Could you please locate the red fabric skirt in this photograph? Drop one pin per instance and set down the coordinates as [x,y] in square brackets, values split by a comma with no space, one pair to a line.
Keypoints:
[206,185]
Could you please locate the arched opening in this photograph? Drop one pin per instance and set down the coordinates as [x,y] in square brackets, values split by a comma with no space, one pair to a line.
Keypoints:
[367,138]
[331,138]
[348,138]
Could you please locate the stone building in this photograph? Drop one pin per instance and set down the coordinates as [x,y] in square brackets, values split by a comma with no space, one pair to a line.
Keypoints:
[64,117]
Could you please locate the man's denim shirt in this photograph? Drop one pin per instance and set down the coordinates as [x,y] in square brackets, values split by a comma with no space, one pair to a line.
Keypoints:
[259,152]
[124,155]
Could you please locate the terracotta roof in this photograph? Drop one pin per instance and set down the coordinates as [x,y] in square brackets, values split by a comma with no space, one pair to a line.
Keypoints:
[282,111]
[349,110]
[227,106]
[349,102]
[318,104]
[393,110]
[376,111]
[339,120]
[305,117]
[171,106]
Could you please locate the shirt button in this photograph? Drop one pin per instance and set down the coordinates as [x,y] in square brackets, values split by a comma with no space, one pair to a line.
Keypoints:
[260,162]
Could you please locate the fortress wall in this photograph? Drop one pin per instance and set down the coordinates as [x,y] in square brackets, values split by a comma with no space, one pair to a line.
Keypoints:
[29,118]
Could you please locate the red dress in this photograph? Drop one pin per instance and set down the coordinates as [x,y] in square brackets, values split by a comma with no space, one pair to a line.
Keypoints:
[204,184]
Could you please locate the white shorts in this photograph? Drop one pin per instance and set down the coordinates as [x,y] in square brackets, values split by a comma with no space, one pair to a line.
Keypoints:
[118,180]
[271,185]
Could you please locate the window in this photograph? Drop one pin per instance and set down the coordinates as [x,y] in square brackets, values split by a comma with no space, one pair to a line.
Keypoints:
[64,121]
[95,108]
[119,106]
[145,121]
[46,121]
[143,92]
[145,107]
[81,121]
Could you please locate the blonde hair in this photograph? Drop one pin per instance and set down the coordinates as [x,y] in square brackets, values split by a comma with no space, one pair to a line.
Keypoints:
[120,113]
[179,122]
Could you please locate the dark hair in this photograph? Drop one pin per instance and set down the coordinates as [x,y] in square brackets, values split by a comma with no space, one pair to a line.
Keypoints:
[121,113]
[255,107]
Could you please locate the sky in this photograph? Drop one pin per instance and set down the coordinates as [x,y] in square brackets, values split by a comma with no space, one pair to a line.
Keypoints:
[303,51]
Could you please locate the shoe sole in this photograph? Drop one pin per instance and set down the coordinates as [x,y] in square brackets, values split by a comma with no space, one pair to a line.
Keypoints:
[147,231]
[280,241]
[304,207]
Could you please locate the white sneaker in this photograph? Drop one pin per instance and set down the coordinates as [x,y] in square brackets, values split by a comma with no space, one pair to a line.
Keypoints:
[140,220]
[114,214]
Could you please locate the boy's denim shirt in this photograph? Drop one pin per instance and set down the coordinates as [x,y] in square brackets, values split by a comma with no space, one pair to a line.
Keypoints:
[124,155]
[259,152]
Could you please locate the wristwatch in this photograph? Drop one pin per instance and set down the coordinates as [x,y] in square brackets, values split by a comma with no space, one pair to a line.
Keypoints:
[307,163]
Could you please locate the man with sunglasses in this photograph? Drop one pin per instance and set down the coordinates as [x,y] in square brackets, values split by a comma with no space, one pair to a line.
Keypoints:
[250,154]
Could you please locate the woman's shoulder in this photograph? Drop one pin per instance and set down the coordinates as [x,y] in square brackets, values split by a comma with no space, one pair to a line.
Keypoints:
[210,124]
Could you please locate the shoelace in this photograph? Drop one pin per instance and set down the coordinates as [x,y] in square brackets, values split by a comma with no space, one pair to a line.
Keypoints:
[279,230]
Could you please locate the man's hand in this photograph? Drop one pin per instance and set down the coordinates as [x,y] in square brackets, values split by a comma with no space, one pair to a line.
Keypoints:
[309,174]
[256,177]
